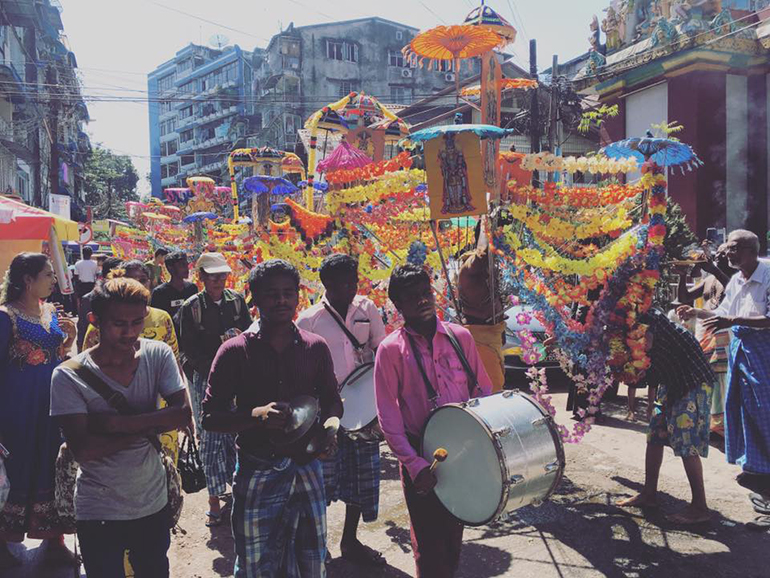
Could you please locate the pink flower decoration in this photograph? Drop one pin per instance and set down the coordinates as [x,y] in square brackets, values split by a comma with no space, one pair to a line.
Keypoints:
[523,318]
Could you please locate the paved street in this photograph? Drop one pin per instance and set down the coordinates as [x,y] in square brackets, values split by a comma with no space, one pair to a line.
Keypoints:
[579,533]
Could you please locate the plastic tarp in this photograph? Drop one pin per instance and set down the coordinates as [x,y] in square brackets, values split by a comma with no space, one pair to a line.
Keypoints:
[19,222]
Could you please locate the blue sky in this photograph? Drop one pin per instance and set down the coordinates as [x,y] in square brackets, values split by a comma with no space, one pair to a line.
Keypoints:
[117,42]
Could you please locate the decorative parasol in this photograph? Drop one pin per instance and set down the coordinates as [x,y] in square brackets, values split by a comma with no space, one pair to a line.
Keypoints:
[485,17]
[331,120]
[260,184]
[395,130]
[505,84]
[344,157]
[198,217]
[361,104]
[482,130]
[292,164]
[663,152]
[452,44]
[317,186]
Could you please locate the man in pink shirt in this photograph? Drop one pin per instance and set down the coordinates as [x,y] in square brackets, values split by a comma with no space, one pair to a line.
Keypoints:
[417,370]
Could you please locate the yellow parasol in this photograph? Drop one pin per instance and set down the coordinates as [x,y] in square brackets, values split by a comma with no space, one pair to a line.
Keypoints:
[157,216]
[505,84]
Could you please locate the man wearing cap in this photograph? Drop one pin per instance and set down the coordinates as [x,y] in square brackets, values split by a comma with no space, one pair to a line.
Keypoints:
[208,319]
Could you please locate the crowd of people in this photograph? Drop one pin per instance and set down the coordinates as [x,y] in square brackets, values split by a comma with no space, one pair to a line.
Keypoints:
[158,358]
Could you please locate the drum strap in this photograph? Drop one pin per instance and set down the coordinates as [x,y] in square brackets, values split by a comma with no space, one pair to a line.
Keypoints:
[432,395]
[473,382]
[356,344]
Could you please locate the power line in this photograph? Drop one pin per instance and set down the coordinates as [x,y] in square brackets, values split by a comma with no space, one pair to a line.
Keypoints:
[431,11]
[206,20]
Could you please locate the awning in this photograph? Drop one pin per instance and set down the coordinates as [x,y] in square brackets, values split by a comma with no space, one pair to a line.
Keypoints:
[20,221]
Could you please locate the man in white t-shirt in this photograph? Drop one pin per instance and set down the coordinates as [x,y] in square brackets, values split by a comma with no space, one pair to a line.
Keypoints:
[86,271]
[120,495]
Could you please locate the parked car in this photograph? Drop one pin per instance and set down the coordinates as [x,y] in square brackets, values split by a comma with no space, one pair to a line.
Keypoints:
[522,317]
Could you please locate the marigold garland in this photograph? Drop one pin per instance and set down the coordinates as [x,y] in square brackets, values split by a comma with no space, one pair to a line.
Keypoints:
[552,195]
[371,171]
[388,184]
[542,223]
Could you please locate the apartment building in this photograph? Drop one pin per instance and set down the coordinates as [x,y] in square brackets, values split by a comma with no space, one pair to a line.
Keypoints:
[201,104]
[305,67]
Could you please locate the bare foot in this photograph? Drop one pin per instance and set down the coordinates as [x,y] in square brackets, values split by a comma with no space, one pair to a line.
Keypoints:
[690,515]
[7,560]
[630,416]
[639,501]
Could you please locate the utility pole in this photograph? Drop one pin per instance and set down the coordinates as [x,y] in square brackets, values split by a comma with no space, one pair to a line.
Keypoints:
[554,106]
[534,115]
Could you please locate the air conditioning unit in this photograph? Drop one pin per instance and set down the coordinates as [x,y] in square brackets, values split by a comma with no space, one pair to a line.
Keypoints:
[406,73]
[449,77]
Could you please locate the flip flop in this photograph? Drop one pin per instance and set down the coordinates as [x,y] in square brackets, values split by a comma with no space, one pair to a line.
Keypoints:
[214,520]
[679,519]
[760,503]
[759,524]
[364,555]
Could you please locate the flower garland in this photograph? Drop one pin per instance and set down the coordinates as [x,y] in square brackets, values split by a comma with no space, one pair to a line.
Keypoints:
[607,260]
[370,171]
[311,226]
[552,195]
[388,184]
[542,223]
[597,164]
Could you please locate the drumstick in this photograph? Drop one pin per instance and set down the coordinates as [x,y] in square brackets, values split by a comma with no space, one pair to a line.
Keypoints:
[438,456]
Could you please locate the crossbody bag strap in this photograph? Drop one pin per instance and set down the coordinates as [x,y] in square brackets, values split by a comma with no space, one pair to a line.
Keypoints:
[356,343]
[114,399]
[432,395]
[473,382]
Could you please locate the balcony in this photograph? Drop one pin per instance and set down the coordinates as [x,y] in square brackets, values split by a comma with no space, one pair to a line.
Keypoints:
[11,82]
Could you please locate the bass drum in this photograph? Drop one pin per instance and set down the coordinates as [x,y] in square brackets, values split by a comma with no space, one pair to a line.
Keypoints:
[359,419]
[503,452]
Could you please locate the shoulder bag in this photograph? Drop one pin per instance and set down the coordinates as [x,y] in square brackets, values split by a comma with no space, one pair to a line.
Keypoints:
[118,402]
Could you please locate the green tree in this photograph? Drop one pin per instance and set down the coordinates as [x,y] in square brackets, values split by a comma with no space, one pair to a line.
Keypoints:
[110,181]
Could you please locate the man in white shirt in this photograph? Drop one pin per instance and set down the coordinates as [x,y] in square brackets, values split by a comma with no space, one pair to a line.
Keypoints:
[353,475]
[746,310]
[86,270]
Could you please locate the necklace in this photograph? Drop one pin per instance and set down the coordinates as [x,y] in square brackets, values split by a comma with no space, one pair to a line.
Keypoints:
[43,319]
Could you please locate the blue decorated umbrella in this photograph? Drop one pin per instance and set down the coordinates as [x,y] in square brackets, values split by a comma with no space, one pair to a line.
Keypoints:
[482,130]
[197,220]
[264,187]
[663,152]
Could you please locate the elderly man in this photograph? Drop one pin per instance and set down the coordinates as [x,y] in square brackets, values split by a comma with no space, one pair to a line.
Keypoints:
[206,321]
[746,310]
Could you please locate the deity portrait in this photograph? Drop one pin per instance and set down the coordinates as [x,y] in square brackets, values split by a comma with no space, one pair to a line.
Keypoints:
[456,194]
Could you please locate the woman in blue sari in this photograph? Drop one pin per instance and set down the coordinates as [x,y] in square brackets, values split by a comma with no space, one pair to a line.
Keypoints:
[33,340]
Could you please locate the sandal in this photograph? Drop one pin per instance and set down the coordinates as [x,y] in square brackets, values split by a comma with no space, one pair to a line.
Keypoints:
[361,554]
[760,503]
[759,524]
[214,519]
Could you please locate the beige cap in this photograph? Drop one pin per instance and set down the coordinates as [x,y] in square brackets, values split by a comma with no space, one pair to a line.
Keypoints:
[213,263]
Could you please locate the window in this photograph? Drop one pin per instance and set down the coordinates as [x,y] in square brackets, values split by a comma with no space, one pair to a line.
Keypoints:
[395,58]
[166,83]
[186,112]
[187,87]
[167,126]
[184,66]
[348,86]
[187,160]
[169,170]
[186,135]
[339,50]
[399,35]
[169,148]
[400,95]
[165,106]
[443,65]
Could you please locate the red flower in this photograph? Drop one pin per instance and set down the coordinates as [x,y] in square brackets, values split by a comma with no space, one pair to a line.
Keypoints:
[36,357]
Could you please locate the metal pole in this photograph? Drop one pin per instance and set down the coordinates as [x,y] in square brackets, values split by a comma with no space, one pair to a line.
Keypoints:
[535,104]
[434,230]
